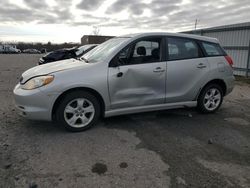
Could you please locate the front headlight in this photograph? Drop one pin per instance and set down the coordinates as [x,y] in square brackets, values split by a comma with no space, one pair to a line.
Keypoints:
[37,82]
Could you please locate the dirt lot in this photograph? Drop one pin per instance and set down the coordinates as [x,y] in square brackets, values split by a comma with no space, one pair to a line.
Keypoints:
[174,148]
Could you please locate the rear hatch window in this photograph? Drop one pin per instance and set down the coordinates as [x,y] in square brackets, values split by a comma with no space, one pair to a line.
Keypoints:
[213,49]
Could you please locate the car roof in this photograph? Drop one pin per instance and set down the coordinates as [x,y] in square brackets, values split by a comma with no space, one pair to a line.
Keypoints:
[198,37]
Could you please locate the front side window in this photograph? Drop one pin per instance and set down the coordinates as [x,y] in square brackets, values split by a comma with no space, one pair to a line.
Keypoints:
[180,48]
[212,49]
[143,51]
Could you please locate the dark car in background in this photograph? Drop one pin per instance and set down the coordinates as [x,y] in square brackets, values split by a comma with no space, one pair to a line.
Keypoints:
[66,53]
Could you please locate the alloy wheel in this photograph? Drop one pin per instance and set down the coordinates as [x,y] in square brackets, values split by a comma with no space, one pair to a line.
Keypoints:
[212,99]
[79,112]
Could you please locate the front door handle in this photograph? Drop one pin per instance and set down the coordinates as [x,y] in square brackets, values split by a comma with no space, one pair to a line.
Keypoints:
[158,69]
[201,66]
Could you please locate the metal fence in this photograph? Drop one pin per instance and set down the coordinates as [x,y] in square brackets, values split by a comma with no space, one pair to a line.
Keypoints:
[235,39]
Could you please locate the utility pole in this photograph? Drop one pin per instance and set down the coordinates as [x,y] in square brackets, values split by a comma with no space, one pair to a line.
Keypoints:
[195,24]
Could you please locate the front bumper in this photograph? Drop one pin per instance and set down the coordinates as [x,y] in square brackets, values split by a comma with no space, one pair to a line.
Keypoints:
[33,104]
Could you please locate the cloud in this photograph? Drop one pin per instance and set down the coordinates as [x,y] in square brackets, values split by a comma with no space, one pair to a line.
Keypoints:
[89,4]
[143,15]
[134,7]
[169,15]
[36,3]
[36,11]
[9,12]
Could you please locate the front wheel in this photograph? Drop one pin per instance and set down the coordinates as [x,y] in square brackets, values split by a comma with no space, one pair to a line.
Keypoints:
[210,98]
[78,111]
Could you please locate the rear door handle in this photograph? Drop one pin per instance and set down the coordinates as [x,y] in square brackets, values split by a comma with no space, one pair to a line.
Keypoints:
[201,66]
[158,69]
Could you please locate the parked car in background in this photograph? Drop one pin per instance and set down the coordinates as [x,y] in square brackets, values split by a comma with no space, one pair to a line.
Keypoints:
[128,74]
[9,49]
[31,51]
[66,53]
[57,55]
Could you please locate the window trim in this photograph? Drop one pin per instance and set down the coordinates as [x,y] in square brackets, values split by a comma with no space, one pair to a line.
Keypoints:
[200,51]
[163,50]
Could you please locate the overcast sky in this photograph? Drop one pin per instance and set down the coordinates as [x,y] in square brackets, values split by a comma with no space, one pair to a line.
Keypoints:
[68,20]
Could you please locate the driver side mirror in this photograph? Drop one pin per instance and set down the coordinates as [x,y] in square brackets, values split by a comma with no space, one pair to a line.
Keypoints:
[122,55]
[120,58]
[115,62]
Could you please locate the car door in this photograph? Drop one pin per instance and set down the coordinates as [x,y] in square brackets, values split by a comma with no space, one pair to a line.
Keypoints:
[137,74]
[187,69]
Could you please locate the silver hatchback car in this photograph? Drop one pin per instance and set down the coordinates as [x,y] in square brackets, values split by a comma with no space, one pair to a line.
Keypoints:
[128,74]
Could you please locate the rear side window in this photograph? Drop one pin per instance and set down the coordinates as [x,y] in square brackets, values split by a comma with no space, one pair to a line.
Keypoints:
[213,49]
[181,48]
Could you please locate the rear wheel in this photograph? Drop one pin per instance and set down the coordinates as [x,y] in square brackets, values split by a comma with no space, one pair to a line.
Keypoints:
[210,98]
[78,111]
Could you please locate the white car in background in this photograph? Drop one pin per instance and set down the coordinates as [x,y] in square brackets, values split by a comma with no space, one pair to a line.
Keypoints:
[9,49]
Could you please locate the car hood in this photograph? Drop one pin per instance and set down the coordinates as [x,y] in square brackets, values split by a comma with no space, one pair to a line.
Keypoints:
[51,68]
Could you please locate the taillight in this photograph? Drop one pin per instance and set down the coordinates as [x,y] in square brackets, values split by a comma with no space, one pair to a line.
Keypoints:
[229,60]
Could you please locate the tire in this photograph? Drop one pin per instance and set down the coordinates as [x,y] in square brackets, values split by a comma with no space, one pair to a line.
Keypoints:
[78,111]
[210,99]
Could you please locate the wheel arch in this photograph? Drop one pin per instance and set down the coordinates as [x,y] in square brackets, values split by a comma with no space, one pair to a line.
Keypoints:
[219,82]
[86,89]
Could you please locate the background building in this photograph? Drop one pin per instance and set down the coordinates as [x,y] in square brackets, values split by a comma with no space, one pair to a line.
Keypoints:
[94,39]
[236,41]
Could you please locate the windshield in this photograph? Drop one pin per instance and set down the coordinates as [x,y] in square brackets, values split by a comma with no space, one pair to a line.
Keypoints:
[103,50]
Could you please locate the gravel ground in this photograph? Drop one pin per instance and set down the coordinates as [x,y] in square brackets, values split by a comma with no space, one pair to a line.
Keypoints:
[174,148]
